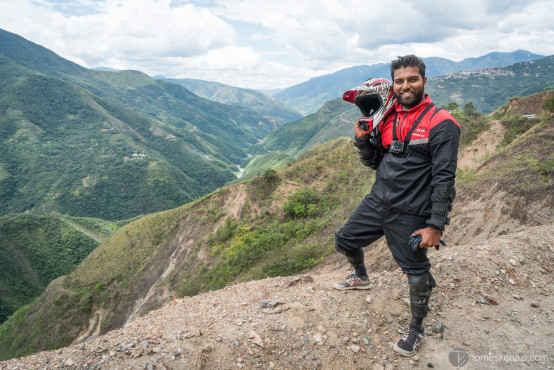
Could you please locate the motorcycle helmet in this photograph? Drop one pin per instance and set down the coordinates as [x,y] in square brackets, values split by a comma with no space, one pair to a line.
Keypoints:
[375,98]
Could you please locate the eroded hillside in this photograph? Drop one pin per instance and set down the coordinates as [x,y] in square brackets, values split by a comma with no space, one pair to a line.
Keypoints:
[493,303]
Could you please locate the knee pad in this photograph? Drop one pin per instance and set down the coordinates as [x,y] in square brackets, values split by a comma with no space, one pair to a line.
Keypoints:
[355,257]
[420,291]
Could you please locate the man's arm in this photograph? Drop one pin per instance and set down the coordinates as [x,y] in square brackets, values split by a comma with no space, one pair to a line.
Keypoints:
[443,141]
[369,147]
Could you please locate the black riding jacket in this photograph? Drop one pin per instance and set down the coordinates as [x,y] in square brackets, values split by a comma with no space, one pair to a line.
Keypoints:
[419,179]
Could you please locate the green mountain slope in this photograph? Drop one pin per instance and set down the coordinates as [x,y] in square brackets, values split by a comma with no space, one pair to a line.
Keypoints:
[67,150]
[87,142]
[490,88]
[309,96]
[233,128]
[268,107]
[335,119]
[35,249]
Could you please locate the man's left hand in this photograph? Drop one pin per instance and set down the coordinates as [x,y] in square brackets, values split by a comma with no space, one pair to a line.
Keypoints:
[430,237]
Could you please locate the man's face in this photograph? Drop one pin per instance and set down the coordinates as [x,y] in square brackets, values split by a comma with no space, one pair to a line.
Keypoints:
[408,86]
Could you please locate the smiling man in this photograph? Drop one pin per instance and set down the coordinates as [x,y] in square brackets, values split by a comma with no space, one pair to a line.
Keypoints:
[414,151]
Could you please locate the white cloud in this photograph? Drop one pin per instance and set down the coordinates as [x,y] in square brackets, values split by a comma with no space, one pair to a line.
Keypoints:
[268,43]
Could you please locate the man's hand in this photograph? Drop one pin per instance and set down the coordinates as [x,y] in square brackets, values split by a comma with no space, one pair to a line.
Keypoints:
[360,133]
[430,237]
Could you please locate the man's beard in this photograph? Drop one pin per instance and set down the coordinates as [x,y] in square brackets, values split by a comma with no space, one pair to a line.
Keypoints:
[418,98]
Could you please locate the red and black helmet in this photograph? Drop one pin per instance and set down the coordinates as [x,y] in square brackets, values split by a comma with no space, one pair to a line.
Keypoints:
[375,98]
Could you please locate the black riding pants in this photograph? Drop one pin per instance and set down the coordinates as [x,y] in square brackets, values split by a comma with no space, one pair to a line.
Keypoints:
[370,221]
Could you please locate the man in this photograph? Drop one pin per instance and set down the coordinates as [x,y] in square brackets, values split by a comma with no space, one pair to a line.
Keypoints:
[412,193]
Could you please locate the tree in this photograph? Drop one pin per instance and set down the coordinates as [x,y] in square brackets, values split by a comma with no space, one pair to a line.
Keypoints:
[452,106]
[470,110]
[548,105]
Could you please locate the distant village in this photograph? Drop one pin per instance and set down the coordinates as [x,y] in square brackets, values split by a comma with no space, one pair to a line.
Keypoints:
[486,71]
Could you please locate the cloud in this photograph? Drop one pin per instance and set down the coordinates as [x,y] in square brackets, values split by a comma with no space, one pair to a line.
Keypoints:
[253,43]
[124,28]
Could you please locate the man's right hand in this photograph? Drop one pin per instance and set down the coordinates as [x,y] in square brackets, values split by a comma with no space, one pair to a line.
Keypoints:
[360,133]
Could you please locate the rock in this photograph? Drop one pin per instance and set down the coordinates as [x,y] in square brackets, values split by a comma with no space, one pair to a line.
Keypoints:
[270,304]
[406,300]
[318,338]
[366,341]
[298,279]
[535,304]
[256,339]
[144,344]
[368,299]
[69,362]
[513,262]
[491,300]
[280,309]
[156,349]
[416,358]
[439,327]
[355,348]
[149,366]
[511,281]
[452,285]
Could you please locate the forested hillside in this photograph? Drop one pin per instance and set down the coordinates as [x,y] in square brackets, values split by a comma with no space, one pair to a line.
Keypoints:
[270,108]
[37,248]
[111,145]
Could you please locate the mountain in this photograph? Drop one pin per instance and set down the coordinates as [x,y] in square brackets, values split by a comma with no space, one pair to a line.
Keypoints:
[37,248]
[490,88]
[487,89]
[63,148]
[335,119]
[270,108]
[308,96]
[279,224]
[110,145]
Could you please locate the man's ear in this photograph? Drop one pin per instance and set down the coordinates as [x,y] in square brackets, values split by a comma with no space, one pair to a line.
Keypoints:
[424,82]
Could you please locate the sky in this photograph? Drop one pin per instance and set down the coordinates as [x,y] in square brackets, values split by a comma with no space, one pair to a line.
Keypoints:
[271,44]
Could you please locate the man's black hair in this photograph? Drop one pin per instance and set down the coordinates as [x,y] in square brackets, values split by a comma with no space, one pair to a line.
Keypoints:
[407,61]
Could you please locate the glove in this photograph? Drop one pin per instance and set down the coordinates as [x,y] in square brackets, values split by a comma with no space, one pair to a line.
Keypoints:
[415,240]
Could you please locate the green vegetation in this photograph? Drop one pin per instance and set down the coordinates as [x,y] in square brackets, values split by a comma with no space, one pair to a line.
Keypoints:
[471,122]
[515,126]
[36,249]
[548,105]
